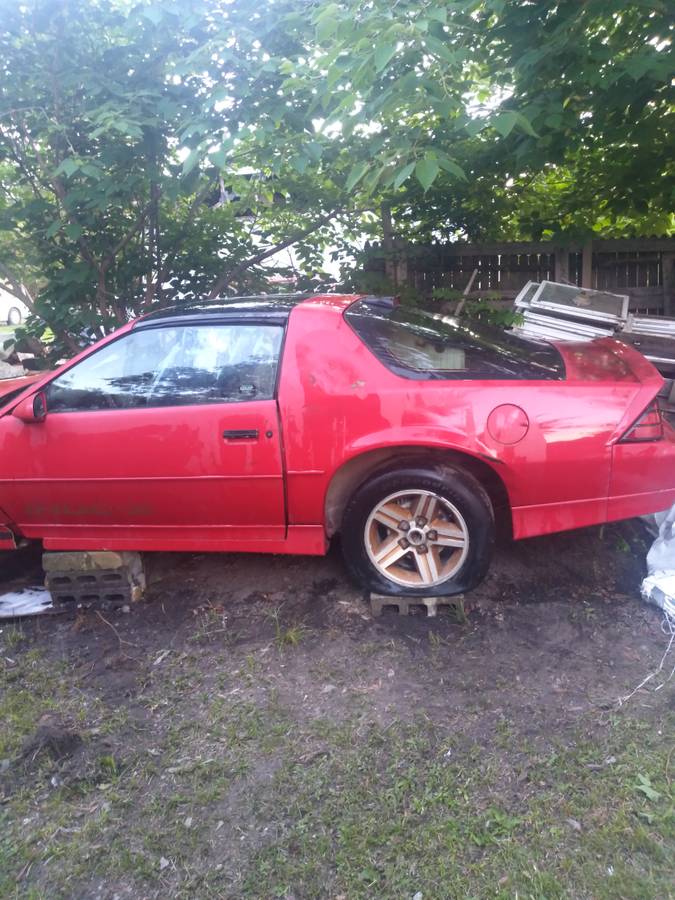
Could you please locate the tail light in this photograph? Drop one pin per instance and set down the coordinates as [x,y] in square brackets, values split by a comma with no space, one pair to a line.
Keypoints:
[649,427]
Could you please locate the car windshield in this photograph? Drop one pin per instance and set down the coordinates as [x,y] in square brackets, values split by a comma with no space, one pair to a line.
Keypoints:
[423,345]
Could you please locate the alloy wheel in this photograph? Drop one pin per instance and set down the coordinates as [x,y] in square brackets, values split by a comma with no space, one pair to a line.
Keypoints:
[416,538]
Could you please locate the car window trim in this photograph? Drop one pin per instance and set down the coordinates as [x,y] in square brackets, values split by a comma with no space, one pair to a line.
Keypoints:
[280,322]
[212,319]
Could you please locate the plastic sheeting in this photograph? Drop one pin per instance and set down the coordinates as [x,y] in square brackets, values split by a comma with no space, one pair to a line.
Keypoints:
[28,602]
[659,588]
[659,585]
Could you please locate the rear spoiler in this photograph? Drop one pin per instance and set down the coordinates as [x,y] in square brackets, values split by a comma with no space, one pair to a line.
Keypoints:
[651,383]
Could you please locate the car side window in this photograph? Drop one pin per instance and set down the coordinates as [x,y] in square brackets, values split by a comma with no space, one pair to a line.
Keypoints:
[178,365]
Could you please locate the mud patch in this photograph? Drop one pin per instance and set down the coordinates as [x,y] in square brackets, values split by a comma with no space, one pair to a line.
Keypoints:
[52,740]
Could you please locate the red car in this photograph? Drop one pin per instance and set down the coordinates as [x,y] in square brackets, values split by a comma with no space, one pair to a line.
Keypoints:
[271,424]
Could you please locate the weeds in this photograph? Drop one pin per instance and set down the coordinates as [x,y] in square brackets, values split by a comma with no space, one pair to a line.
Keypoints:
[12,636]
[286,635]
[211,622]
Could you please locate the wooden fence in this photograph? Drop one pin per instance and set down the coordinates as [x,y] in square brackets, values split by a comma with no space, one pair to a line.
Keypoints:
[642,268]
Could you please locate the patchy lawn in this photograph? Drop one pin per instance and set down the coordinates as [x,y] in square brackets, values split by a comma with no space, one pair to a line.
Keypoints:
[250,731]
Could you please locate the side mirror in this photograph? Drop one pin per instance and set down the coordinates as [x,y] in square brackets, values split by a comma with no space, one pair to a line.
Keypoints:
[32,409]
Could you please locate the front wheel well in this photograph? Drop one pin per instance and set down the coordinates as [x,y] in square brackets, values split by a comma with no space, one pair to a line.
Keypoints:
[355,472]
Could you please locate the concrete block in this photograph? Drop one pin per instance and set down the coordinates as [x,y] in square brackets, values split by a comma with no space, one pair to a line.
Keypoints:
[406,606]
[85,577]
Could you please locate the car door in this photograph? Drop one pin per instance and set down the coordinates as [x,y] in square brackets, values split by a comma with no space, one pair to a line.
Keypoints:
[166,438]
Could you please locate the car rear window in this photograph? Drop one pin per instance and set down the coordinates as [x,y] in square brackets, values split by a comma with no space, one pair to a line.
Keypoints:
[423,345]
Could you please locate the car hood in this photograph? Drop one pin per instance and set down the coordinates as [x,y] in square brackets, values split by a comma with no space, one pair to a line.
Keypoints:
[9,385]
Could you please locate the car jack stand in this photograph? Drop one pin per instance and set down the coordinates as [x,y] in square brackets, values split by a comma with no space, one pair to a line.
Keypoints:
[430,606]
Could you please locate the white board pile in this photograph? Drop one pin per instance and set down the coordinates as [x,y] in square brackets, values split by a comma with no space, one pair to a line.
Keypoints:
[553,311]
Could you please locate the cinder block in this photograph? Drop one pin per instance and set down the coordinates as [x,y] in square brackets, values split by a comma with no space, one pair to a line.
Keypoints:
[94,577]
[83,561]
[406,606]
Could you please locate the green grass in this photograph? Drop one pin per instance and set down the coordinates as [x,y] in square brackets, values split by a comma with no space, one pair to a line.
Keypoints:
[246,792]
[389,813]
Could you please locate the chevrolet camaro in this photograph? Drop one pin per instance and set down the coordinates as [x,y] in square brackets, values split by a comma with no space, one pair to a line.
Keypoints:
[272,424]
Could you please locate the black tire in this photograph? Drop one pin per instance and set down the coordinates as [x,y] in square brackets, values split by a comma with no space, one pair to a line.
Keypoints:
[452,484]
[14,316]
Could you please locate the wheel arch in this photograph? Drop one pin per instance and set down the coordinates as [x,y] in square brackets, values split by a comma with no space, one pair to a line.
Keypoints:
[359,469]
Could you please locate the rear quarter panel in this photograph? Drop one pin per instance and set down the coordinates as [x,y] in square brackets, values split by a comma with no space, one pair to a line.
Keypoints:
[338,401]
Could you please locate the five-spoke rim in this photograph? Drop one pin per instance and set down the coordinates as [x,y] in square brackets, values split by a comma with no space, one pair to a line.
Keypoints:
[416,538]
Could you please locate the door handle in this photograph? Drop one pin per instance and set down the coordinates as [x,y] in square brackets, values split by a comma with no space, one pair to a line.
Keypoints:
[241,434]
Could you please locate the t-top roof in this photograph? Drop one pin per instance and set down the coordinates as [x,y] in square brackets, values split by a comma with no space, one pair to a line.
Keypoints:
[236,307]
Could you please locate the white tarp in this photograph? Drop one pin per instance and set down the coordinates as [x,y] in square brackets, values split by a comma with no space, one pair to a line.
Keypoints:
[659,585]
[659,588]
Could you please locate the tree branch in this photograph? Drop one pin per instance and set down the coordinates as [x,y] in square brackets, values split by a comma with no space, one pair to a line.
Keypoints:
[228,275]
[14,287]
[151,288]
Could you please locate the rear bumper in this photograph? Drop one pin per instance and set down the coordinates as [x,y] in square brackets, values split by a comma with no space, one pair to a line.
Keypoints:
[643,477]
[632,505]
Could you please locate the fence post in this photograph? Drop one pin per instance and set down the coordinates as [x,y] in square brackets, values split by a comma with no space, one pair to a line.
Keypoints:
[668,276]
[587,265]
[401,263]
[562,265]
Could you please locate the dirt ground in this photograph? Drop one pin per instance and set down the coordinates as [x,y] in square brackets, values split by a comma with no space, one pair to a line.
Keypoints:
[220,738]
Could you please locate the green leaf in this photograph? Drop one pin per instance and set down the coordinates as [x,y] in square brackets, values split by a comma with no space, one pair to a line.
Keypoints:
[356,174]
[403,175]
[300,164]
[383,54]
[53,229]
[451,166]
[426,171]
[475,126]
[191,160]
[68,167]
[73,231]
[327,21]
[153,13]
[331,11]
[219,158]
[92,171]
[314,150]
[439,13]
[505,122]
[645,786]
[441,50]
[326,29]
[525,124]
[127,128]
